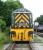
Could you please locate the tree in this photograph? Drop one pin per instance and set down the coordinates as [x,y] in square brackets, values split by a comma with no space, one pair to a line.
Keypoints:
[1,7]
[7,8]
[39,19]
[12,0]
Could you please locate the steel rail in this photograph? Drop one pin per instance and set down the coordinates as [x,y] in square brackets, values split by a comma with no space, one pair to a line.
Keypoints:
[12,47]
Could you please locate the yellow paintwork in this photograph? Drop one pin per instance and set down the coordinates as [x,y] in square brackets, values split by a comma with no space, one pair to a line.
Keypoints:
[22,32]
[18,19]
[17,16]
[21,20]
[26,16]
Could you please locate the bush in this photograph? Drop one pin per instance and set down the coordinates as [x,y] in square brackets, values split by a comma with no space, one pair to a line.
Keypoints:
[2,25]
[4,38]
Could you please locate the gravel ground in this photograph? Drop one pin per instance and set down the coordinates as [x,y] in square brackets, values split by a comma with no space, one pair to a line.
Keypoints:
[34,46]
[37,46]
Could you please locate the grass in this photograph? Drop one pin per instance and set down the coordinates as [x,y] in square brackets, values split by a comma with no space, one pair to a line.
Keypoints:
[3,39]
[1,46]
[37,39]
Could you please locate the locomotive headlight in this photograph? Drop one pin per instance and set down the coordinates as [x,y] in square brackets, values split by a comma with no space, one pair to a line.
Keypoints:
[13,33]
[19,26]
[24,26]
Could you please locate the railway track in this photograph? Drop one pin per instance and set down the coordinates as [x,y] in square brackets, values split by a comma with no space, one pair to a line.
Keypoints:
[39,34]
[19,47]
[14,46]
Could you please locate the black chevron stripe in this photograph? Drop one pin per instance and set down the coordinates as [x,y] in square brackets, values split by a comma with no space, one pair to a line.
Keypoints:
[25,17]
[24,20]
[17,17]
[20,15]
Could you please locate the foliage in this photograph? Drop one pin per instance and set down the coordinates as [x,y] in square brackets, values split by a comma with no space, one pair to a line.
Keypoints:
[6,9]
[3,39]
[39,19]
[2,25]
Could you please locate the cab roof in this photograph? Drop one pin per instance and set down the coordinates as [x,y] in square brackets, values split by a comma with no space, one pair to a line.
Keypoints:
[22,10]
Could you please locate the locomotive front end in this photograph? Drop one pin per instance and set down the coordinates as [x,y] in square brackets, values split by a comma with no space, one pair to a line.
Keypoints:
[21,29]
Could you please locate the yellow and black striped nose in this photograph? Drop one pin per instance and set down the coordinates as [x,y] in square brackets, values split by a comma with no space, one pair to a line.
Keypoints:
[22,18]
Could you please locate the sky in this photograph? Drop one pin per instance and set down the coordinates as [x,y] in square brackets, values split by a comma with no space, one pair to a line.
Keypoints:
[35,6]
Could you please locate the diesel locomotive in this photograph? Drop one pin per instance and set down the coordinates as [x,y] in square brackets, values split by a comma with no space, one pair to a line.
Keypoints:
[21,25]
